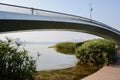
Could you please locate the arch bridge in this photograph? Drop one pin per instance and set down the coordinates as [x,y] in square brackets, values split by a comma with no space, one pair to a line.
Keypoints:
[17,18]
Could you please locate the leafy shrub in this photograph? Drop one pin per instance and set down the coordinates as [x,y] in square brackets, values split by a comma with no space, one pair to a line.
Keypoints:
[96,52]
[66,47]
[15,64]
[79,44]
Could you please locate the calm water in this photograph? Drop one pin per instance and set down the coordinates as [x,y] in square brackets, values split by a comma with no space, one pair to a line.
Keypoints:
[50,59]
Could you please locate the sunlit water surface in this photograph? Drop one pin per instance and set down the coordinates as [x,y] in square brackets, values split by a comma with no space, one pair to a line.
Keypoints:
[50,59]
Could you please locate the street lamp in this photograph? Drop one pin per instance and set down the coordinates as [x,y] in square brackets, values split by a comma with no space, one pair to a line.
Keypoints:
[91,9]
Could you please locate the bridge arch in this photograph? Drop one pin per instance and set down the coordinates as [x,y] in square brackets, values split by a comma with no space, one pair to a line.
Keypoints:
[10,21]
[41,19]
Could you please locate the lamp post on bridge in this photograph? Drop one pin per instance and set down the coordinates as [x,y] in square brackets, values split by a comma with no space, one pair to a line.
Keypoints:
[91,9]
[32,10]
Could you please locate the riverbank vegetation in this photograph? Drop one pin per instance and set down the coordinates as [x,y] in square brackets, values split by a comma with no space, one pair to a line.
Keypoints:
[93,52]
[97,52]
[74,73]
[67,47]
[92,55]
[15,63]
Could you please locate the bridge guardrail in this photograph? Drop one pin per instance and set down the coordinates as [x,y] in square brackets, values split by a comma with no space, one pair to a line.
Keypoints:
[34,11]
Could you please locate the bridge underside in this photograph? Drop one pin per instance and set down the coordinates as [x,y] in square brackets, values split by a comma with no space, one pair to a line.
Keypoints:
[20,25]
[19,22]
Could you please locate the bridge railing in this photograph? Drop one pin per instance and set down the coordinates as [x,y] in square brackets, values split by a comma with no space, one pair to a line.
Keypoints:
[34,11]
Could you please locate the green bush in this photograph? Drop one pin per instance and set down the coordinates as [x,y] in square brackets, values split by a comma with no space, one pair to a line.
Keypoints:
[66,47]
[15,63]
[96,52]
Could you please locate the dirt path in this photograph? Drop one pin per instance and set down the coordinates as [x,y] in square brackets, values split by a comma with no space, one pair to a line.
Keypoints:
[107,73]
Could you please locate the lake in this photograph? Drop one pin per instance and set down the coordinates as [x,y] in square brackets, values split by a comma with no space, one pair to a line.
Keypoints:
[50,59]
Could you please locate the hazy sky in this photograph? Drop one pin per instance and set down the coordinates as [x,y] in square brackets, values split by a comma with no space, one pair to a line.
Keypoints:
[106,11]
[51,36]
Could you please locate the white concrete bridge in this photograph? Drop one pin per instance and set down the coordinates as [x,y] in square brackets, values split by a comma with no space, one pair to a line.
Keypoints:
[18,18]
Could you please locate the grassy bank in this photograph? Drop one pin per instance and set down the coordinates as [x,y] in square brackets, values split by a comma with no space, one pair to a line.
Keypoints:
[91,54]
[74,73]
